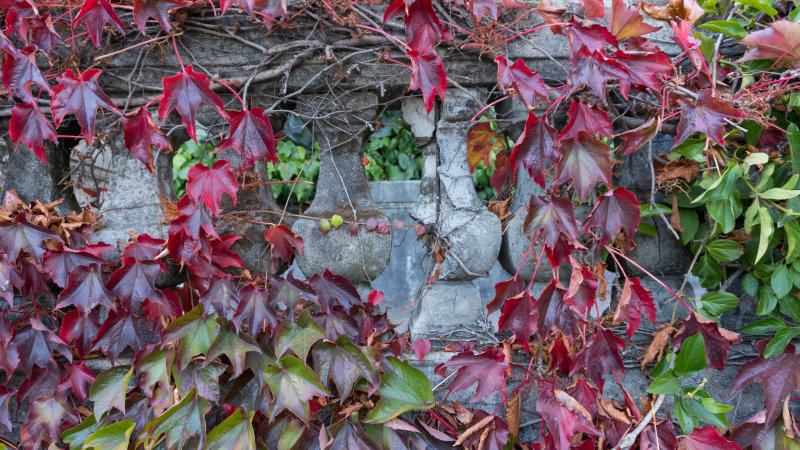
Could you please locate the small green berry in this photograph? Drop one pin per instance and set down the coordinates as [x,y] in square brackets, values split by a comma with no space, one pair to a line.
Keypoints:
[337,221]
[324,226]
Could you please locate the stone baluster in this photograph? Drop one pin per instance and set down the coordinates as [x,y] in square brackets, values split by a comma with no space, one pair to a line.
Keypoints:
[451,305]
[342,189]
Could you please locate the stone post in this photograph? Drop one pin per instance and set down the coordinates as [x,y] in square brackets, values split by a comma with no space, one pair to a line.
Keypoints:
[452,305]
[342,189]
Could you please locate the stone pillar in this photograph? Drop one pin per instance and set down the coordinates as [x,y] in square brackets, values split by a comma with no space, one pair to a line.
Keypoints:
[452,210]
[342,189]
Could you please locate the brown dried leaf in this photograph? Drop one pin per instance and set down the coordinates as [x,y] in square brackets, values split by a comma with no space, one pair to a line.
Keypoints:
[463,414]
[170,209]
[501,208]
[436,434]
[571,404]
[675,220]
[609,409]
[479,426]
[656,348]
[682,168]
[687,10]
[513,410]
[738,235]
[599,272]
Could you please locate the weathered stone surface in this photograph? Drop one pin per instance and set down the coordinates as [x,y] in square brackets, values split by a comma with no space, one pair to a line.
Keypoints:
[33,179]
[421,123]
[450,310]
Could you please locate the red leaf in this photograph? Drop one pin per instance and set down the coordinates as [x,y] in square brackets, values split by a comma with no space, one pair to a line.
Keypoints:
[706,438]
[634,303]
[6,45]
[427,74]
[22,235]
[40,32]
[29,125]
[20,72]
[564,416]
[246,5]
[76,378]
[191,219]
[614,211]
[251,136]
[60,263]
[221,298]
[554,216]
[80,330]
[96,14]
[284,241]
[519,80]
[778,375]
[142,133]
[778,42]
[48,417]
[375,297]
[687,42]
[561,356]
[333,289]
[255,310]
[38,344]
[421,348]
[134,283]
[184,92]
[594,71]
[505,290]
[582,117]
[493,435]
[585,160]
[714,337]
[582,291]
[5,396]
[662,438]
[552,313]
[635,139]
[156,9]
[534,148]
[119,331]
[706,115]
[16,12]
[519,315]
[145,247]
[209,184]
[643,69]
[600,356]
[423,29]
[626,21]
[488,369]
[291,291]
[589,35]
[28,278]
[81,96]
[85,290]
[594,8]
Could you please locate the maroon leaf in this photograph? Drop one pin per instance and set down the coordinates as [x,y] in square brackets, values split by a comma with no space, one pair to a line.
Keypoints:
[600,356]
[156,9]
[552,215]
[423,29]
[85,290]
[505,290]
[41,383]
[47,418]
[706,115]
[488,369]
[594,71]
[519,80]
[635,139]
[564,416]
[16,12]
[582,291]
[427,74]
[81,96]
[662,438]
[251,136]
[80,330]
[9,360]
[6,292]
[586,161]
[585,394]
[519,315]
[246,5]
[191,219]
[284,241]
[221,298]
[20,72]
[22,235]
[141,133]
[333,289]
[38,344]
[687,42]
[582,117]
[716,339]
[184,92]
[6,45]
[255,311]
[589,35]
[634,303]
[706,438]
[493,436]
[552,313]
[615,210]
[5,396]
[534,148]
[29,278]
[41,33]
[643,69]
[29,125]
[337,322]
[96,14]
[76,378]
[120,330]
[626,21]
[421,348]
[209,184]
[778,42]
[60,263]
[144,247]
[134,283]
[561,355]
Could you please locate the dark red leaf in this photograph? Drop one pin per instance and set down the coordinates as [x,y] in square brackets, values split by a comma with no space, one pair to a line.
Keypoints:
[141,134]
[493,436]
[586,161]
[191,219]
[778,42]
[254,310]
[134,283]
[38,344]
[589,35]
[16,12]
[20,72]
[552,215]
[6,292]
[41,33]
[81,96]
[519,80]
[706,438]
[535,148]
[706,115]
[145,247]
[423,29]
[119,331]
[421,348]
[505,290]
[643,69]
[564,416]
[626,21]
[41,383]
[184,92]
[634,303]
[427,75]
[156,9]
[561,355]
[5,396]
[29,278]
[85,290]
[488,369]
[251,136]
[80,330]
[9,359]
[600,356]
[76,378]
[635,139]
[221,298]
[519,315]
[96,14]
[209,184]
[615,210]
[284,242]
[689,44]
[662,438]
[584,393]
[333,289]
[338,322]
[48,417]
[552,313]
[594,71]
[716,339]
[60,263]
[582,117]
[29,125]
[582,291]
[6,45]
[22,235]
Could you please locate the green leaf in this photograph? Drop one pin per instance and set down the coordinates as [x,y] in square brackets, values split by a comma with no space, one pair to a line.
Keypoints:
[723,250]
[647,228]
[403,389]
[666,383]
[792,230]
[750,285]
[781,281]
[233,346]
[726,211]
[152,370]
[692,356]
[112,437]
[685,420]
[694,406]
[715,407]
[765,224]
[718,302]
[109,389]
[646,210]
[293,384]
[761,5]
[194,332]
[76,436]
[692,149]
[779,194]
[780,341]
[235,432]
[709,272]
[345,364]
[298,337]
[756,158]
[720,188]
[690,222]
[179,424]
[793,136]
[767,325]
[726,27]
[767,301]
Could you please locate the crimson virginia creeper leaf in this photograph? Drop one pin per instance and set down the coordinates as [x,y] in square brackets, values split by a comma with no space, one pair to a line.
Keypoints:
[184,92]
[85,290]
[333,289]
[582,117]
[141,133]
[582,291]
[80,330]
[586,161]
[134,283]
[706,115]
[20,72]
[714,337]
[22,235]
[488,369]
[9,360]
[231,345]
[552,215]
[778,42]
[626,21]
[534,148]
[634,303]
[5,396]
[29,278]
[588,34]
[505,290]
[221,298]
[209,184]
[38,344]
[635,139]
[585,394]
[614,211]
[561,355]
[495,436]
[251,136]
[40,32]
[6,45]
[16,12]
[145,247]
[156,9]
[519,80]
[778,375]
[290,291]
[552,313]
[519,315]
[191,219]
[687,42]
[706,438]
[29,125]
[344,364]
[255,311]
[293,384]
[60,263]
[81,96]
[120,330]
[284,241]
[96,14]
[47,418]
[594,71]
[76,378]
[600,356]
[423,29]
[564,416]
[421,348]
[6,292]
[643,69]
[336,322]
[427,75]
